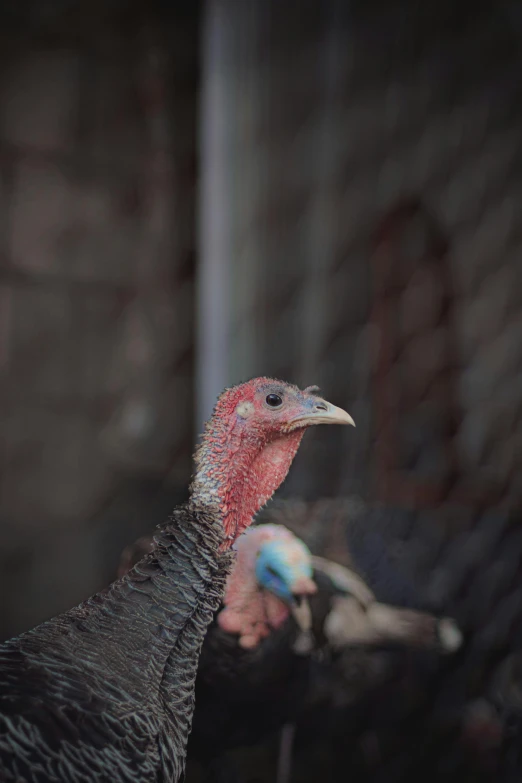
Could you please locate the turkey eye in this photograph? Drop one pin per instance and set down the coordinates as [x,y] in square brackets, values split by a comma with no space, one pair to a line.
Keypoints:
[274,400]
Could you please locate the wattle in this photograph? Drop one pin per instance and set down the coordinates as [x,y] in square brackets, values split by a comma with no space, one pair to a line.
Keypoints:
[254,619]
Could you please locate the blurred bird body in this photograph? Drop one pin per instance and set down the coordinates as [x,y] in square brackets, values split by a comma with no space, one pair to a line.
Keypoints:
[105,692]
[382,715]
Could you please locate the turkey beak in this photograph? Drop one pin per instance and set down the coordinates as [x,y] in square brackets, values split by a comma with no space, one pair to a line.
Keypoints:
[303,586]
[320,411]
[302,614]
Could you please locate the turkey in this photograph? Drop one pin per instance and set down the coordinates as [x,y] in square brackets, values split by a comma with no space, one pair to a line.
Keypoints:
[444,718]
[281,604]
[282,607]
[105,692]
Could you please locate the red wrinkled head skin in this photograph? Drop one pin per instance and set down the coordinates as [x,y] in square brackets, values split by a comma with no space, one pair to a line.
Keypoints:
[247,449]
[250,611]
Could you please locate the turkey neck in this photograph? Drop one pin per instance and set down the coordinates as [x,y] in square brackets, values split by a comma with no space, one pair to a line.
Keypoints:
[239,471]
[128,632]
[146,630]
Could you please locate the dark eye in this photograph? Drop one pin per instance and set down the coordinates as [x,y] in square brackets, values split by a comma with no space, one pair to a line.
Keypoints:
[274,400]
[272,572]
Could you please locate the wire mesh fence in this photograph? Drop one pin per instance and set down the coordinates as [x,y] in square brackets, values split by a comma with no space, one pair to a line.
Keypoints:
[365,168]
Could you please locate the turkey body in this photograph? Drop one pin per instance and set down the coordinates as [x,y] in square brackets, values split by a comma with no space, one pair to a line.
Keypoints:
[455,718]
[244,695]
[104,691]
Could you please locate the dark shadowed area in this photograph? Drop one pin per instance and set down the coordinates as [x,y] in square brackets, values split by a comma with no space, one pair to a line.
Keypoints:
[326,192]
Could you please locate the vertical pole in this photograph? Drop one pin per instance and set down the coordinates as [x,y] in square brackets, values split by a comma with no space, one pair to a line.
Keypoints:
[214,229]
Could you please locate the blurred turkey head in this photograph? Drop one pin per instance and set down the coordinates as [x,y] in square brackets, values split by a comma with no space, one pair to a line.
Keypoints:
[284,564]
[271,579]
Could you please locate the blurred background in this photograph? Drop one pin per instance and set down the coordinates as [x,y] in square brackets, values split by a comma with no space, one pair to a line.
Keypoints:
[193,194]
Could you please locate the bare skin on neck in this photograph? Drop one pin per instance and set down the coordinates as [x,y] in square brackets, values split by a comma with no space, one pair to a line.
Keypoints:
[249,445]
